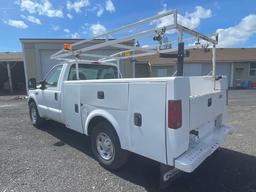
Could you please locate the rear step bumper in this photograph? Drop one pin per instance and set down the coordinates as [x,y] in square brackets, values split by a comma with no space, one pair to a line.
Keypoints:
[197,153]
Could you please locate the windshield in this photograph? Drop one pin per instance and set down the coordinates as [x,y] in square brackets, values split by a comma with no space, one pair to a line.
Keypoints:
[93,71]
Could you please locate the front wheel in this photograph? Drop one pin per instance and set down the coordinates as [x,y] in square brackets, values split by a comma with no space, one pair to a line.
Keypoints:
[35,118]
[106,146]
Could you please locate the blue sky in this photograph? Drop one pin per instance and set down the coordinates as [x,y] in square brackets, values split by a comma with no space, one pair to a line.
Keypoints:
[235,20]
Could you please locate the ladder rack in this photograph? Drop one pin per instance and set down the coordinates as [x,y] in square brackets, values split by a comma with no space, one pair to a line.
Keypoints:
[125,46]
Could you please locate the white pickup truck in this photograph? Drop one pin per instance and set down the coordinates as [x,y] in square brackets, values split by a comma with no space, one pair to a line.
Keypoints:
[177,121]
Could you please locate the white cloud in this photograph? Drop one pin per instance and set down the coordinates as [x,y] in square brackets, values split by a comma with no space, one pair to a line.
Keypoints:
[32,19]
[110,6]
[100,11]
[191,20]
[97,29]
[239,33]
[16,23]
[200,13]
[145,46]
[75,35]
[97,8]
[46,9]
[77,5]
[66,30]
[55,27]
[43,8]
[28,5]
[70,16]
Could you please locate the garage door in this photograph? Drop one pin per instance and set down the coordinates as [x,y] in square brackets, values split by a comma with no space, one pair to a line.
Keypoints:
[45,62]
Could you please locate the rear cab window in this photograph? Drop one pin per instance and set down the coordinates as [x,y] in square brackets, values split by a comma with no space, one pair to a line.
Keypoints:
[93,71]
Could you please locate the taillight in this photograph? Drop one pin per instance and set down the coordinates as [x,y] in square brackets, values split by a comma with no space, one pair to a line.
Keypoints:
[227,97]
[174,114]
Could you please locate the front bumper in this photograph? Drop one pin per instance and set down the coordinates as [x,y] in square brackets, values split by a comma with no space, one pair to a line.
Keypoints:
[198,152]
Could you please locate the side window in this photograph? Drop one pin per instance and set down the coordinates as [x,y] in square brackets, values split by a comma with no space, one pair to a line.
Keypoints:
[52,77]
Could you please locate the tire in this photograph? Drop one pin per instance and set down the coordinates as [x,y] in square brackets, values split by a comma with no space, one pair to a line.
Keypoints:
[101,131]
[35,118]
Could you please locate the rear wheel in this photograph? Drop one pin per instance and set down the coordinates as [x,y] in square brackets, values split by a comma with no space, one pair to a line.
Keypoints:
[106,146]
[35,118]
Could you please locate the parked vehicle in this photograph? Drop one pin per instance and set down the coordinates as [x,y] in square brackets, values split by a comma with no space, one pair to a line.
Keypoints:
[177,121]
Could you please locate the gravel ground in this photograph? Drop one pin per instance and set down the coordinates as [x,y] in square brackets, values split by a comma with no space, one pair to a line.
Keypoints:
[55,158]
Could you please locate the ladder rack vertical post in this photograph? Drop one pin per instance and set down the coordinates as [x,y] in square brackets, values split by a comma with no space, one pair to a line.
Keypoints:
[213,60]
[77,69]
[175,18]
[118,67]
[133,61]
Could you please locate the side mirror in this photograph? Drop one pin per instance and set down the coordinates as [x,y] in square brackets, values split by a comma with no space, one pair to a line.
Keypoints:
[32,83]
[42,85]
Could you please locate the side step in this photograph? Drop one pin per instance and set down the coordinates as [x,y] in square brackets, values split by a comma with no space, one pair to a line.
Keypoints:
[197,153]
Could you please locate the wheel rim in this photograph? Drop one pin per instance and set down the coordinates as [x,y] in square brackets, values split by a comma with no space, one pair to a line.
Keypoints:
[33,114]
[105,146]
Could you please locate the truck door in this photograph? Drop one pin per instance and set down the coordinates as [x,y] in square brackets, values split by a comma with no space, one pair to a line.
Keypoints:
[51,95]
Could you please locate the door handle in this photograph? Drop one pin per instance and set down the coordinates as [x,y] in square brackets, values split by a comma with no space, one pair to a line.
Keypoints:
[76,108]
[56,96]
[100,94]
[137,119]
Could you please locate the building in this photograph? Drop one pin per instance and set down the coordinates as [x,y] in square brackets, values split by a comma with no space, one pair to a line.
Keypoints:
[12,74]
[238,64]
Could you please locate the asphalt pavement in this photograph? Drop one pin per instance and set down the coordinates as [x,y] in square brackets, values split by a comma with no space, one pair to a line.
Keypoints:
[55,158]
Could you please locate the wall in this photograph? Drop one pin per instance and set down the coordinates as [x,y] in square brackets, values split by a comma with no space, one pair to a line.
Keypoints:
[30,60]
[162,71]
[142,70]
[241,73]
[221,69]
[192,69]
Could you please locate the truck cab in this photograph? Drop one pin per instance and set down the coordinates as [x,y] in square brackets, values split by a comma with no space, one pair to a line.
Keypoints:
[47,95]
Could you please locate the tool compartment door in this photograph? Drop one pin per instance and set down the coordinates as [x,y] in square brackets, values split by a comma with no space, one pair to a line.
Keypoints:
[147,107]
[206,108]
[71,106]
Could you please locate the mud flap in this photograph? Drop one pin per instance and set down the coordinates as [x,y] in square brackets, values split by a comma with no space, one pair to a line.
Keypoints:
[167,175]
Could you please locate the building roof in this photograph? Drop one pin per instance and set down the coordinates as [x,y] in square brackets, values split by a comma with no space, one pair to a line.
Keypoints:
[223,55]
[11,56]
